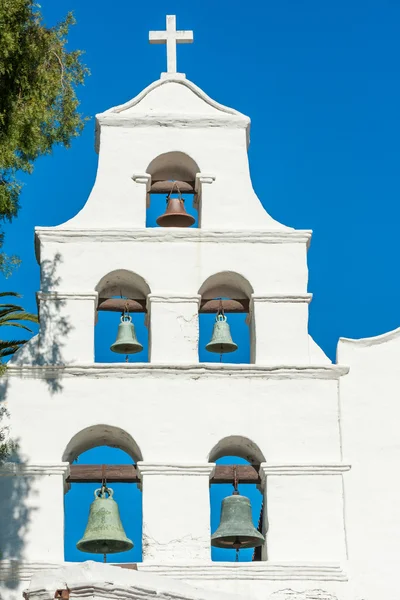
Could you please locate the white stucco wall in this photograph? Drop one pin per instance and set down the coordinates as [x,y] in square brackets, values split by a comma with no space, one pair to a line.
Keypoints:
[369,399]
[171,116]
[291,415]
[285,405]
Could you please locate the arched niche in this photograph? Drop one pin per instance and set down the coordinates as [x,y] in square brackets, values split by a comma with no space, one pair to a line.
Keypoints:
[230,292]
[173,165]
[102,444]
[226,283]
[122,282]
[121,291]
[101,435]
[237,450]
[237,445]
[173,172]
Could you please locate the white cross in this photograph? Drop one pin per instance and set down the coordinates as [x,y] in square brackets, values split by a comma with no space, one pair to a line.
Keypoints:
[171,37]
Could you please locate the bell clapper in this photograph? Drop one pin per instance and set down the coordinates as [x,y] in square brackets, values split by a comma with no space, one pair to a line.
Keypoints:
[237,548]
[104,558]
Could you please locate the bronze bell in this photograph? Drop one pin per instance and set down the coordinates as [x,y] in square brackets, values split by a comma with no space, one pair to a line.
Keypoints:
[104,533]
[236,529]
[175,214]
[126,342]
[221,341]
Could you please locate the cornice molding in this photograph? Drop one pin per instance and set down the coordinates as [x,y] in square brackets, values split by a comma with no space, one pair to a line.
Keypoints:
[159,234]
[171,469]
[162,298]
[204,370]
[10,469]
[52,295]
[291,298]
[14,570]
[267,469]
[261,570]
[172,120]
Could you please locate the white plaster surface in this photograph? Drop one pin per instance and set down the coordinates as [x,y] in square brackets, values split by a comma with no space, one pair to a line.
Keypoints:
[170,115]
[173,415]
[369,399]
[167,491]
[94,580]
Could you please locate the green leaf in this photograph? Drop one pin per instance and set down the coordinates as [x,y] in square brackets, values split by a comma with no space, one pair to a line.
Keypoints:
[12,324]
[9,348]
[15,294]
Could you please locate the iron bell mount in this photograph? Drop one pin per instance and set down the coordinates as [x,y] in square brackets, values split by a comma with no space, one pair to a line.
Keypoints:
[221,340]
[175,214]
[126,342]
[236,529]
[104,533]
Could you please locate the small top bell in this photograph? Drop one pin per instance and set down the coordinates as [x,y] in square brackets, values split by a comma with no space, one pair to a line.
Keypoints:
[175,214]
[221,341]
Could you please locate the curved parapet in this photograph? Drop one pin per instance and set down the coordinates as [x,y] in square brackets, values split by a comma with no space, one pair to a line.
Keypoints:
[166,99]
[370,404]
[368,342]
[373,353]
[170,119]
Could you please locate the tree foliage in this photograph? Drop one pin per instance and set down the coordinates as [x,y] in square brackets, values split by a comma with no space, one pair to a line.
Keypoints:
[38,103]
[13,315]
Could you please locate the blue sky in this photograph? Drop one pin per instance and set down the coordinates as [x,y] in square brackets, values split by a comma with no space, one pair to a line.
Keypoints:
[320,81]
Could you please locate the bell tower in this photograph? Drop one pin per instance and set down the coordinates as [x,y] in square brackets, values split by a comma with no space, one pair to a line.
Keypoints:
[174,414]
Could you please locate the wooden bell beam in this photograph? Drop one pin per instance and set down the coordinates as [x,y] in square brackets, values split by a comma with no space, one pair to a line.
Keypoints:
[206,306]
[229,306]
[166,187]
[121,304]
[129,474]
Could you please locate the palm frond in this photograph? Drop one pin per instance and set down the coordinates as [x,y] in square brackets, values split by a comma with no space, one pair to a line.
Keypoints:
[17,316]
[6,310]
[19,325]
[13,315]
[17,307]
[8,348]
[14,294]
[6,343]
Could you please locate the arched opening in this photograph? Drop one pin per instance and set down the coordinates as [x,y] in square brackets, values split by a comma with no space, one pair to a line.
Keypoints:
[237,451]
[122,301]
[102,445]
[101,435]
[173,199]
[225,297]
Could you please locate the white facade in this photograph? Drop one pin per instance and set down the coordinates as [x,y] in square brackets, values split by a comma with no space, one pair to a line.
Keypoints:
[323,538]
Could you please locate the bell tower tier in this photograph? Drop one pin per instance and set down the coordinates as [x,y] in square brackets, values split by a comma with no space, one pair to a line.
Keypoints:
[173,130]
[176,416]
